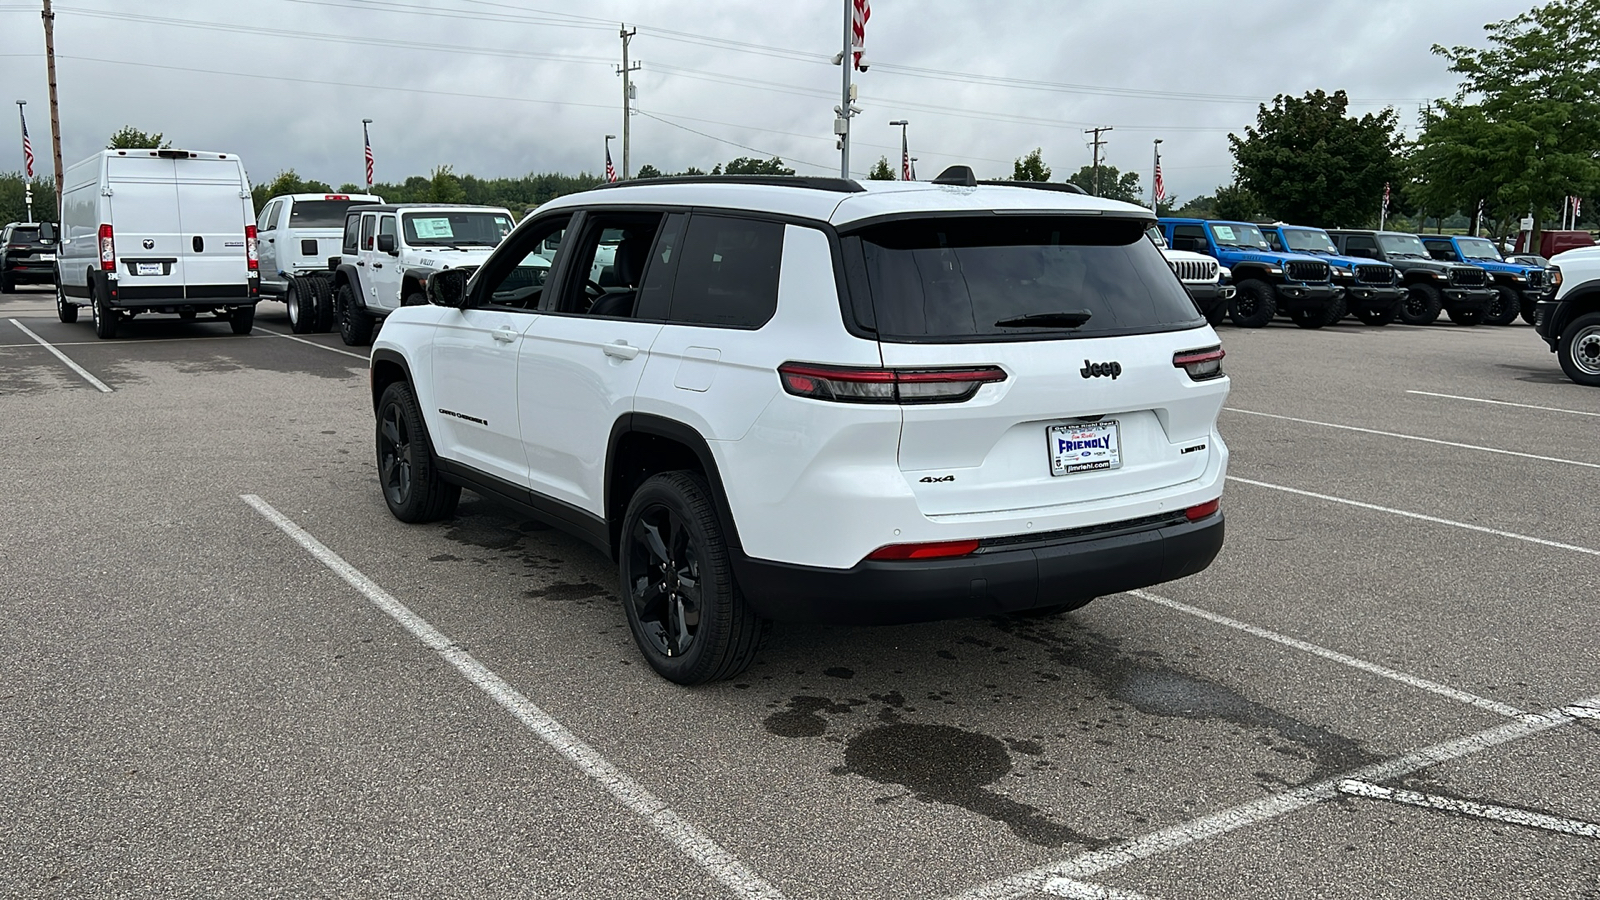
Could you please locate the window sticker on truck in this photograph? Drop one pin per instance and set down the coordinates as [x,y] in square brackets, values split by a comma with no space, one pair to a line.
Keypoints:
[433,228]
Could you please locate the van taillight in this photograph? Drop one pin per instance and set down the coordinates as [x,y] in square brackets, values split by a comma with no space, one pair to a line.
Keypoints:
[1200,364]
[843,384]
[108,253]
[252,261]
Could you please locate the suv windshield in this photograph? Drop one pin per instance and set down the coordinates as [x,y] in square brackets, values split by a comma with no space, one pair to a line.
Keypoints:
[1478,248]
[320,213]
[451,228]
[1308,241]
[1013,278]
[1239,236]
[1403,245]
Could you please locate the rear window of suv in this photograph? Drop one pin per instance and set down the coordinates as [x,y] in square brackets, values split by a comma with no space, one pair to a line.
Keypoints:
[959,278]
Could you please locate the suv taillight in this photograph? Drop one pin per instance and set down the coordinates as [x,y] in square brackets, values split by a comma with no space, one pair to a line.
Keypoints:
[843,384]
[108,253]
[1200,364]
[930,550]
[252,261]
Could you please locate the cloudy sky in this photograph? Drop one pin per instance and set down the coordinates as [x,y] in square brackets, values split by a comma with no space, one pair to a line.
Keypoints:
[508,88]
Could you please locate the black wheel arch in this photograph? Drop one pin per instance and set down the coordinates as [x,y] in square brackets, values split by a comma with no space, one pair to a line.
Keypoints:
[1581,300]
[347,274]
[643,445]
[387,367]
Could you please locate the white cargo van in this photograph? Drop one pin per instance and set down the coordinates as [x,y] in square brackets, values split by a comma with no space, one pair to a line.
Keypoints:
[168,231]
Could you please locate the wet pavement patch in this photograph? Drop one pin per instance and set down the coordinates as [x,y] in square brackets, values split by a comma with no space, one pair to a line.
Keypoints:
[803,717]
[582,590]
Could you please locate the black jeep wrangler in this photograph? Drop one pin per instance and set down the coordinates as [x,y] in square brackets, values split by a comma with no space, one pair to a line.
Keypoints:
[1464,292]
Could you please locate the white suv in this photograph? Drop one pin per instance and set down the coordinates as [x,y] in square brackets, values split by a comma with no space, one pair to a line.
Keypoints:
[813,399]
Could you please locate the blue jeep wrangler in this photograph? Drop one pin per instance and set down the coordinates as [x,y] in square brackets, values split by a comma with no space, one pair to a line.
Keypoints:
[1266,282]
[1517,286]
[1371,289]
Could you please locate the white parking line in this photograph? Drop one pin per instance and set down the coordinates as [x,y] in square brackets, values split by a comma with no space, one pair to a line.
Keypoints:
[98,384]
[1412,515]
[1083,890]
[1570,412]
[361,356]
[689,840]
[1175,837]
[1425,440]
[1509,815]
[1434,687]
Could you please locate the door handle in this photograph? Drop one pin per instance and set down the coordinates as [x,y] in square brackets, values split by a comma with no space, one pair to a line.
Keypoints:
[272,240]
[360,262]
[377,265]
[620,350]
[504,333]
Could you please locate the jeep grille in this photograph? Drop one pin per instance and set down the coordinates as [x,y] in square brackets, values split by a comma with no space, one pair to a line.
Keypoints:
[1196,270]
[1468,276]
[1375,274]
[1306,270]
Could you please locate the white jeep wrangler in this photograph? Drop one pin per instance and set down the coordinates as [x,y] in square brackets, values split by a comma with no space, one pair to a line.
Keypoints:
[389,251]
[1207,281]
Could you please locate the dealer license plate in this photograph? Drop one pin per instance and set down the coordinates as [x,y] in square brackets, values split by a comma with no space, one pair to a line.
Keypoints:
[147,268]
[48,257]
[1084,447]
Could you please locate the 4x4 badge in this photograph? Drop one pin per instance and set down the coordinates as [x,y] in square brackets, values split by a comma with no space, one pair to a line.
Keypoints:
[1100,370]
[929,479]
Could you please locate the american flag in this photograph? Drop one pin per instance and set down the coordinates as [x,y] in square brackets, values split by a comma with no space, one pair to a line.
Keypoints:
[611,171]
[367,139]
[905,160]
[27,145]
[860,13]
[1386,196]
[1161,186]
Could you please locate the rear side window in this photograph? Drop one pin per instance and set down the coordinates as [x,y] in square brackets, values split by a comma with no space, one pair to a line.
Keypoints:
[319,213]
[1016,278]
[727,272]
[352,227]
[369,223]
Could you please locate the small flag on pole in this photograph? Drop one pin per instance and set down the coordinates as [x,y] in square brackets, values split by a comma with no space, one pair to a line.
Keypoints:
[1161,187]
[861,11]
[1386,196]
[905,160]
[27,146]
[611,171]
[368,141]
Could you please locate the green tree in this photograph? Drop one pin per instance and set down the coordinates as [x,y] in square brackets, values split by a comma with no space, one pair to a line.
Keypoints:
[13,199]
[1201,207]
[351,188]
[1235,203]
[746,165]
[1307,162]
[287,182]
[648,171]
[1031,167]
[1114,185]
[881,171]
[1522,131]
[131,138]
[445,187]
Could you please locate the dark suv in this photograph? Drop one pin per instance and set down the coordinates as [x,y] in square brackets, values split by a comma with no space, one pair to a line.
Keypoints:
[24,257]
[1462,291]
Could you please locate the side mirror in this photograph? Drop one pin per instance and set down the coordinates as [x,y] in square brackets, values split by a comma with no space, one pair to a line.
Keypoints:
[48,233]
[449,288]
[386,245]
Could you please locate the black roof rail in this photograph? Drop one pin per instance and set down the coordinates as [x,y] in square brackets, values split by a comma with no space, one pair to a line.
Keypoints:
[1064,187]
[837,185]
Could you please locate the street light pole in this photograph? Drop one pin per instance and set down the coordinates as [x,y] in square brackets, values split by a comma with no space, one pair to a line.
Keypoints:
[905,150]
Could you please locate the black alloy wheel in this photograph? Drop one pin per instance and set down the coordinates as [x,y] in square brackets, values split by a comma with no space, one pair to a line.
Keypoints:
[412,486]
[1506,306]
[1422,304]
[664,580]
[1254,304]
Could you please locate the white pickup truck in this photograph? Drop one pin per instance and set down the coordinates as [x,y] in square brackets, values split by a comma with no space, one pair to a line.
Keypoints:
[296,234]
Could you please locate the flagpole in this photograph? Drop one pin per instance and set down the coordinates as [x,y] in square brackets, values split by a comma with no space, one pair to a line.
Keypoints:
[846,62]
[27,180]
[1155,182]
[905,150]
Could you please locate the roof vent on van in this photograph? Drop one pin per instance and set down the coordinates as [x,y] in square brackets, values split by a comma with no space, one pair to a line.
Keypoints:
[165,153]
[959,175]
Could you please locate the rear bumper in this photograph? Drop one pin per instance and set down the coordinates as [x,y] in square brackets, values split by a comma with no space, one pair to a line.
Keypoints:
[28,271]
[1359,297]
[1469,298]
[1293,297]
[998,579]
[202,296]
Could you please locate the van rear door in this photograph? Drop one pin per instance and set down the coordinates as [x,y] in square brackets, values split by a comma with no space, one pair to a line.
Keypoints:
[213,215]
[145,227]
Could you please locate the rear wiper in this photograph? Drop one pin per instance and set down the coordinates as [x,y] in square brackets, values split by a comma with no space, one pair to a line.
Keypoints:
[1065,319]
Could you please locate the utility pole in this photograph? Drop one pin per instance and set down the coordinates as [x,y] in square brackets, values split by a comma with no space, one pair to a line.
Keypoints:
[626,72]
[1097,142]
[55,112]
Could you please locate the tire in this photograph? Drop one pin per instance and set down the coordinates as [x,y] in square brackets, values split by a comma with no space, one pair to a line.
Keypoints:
[671,532]
[1378,317]
[6,287]
[66,312]
[414,298]
[355,326]
[1528,305]
[1504,309]
[242,319]
[1337,310]
[1579,349]
[322,303]
[412,485]
[1467,317]
[302,304]
[1254,303]
[105,318]
[1421,304]
[1218,314]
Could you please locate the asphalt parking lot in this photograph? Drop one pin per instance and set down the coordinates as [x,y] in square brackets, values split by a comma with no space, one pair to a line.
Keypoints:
[231,673]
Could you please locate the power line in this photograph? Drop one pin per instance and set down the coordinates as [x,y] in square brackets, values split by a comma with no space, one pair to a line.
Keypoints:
[733,143]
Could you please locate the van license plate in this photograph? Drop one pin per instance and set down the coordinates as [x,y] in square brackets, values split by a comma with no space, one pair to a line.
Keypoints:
[147,268]
[1084,447]
[47,257]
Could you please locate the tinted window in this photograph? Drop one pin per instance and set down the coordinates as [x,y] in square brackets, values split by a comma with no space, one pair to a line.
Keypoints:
[269,216]
[386,225]
[728,272]
[1360,243]
[352,226]
[24,234]
[367,224]
[1191,238]
[960,278]
[319,213]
